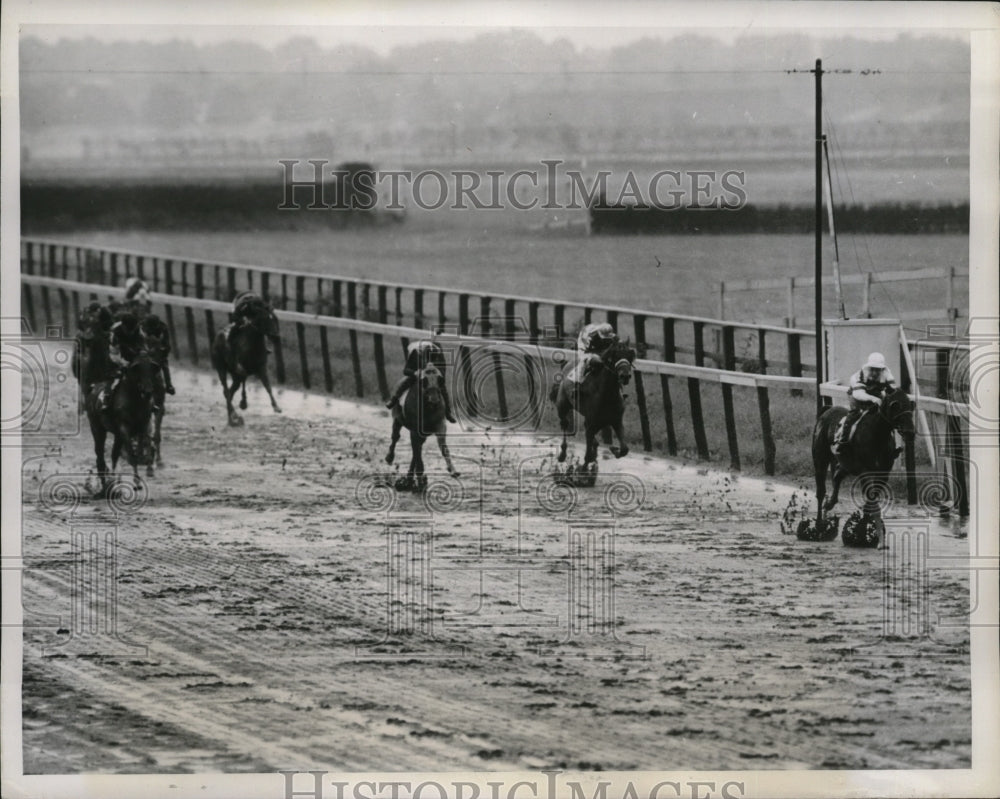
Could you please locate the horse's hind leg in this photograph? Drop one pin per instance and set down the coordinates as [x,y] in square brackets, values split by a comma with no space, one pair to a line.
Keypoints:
[443,445]
[243,396]
[397,425]
[565,423]
[267,387]
[591,454]
[157,422]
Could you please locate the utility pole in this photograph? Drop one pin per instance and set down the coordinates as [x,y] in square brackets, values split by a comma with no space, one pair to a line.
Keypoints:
[819,235]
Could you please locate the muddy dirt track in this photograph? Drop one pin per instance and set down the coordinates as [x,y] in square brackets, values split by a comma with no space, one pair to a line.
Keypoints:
[277,608]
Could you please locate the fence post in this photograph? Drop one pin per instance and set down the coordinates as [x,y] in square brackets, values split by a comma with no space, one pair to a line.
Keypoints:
[958,462]
[337,305]
[442,316]
[300,334]
[559,316]
[399,306]
[533,322]
[866,296]
[231,283]
[192,340]
[418,308]
[639,324]
[265,286]
[509,320]
[950,295]
[795,359]
[324,345]
[697,420]
[729,364]
[722,299]
[699,343]
[909,447]
[352,313]
[791,302]
[199,281]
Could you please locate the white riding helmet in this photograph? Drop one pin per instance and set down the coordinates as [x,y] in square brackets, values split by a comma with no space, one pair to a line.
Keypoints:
[604,330]
[876,361]
[136,289]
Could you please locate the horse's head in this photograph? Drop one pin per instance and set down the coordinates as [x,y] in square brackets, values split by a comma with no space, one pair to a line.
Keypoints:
[140,375]
[431,384]
[261,317]
[620,357]
[93,321]
[156,336]
[897,410]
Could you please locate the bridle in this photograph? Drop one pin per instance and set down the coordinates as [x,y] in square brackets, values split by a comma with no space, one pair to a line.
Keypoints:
[614,367]
[893,421]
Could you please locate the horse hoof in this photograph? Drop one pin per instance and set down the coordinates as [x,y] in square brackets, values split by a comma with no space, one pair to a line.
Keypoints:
[389,459]
[277,409]
[561,458]
[619,453]
[453,473]
[149,471]
[243,405]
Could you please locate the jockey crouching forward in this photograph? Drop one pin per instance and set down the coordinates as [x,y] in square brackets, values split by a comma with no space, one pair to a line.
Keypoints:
[124,344]
[137,297]
[592,342]
[866,390]
[418,355]
[241,313]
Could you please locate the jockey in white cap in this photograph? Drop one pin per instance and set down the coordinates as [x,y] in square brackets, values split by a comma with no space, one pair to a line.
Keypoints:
[137,295]
[592,342]
[866,389]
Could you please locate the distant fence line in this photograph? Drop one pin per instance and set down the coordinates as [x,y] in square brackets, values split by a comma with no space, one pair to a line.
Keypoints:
[949,311]
[58,299]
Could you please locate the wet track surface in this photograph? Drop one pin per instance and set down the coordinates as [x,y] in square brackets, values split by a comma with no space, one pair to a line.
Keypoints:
[279,607]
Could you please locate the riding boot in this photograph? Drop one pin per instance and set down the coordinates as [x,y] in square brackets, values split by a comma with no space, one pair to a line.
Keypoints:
[405,382]
[447,404]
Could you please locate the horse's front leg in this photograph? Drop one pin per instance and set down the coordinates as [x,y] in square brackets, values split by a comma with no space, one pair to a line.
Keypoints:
[591,453]
[443,445]
[100,440]
[839,473]
[565,423]
[234,418]
[417,459]
[397,425]
[267,387]
[622,449]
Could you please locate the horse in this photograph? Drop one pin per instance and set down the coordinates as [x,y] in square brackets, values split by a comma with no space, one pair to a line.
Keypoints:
[871,452]
[598,398]
[240,351]
[91,361]
[157,338]
[127,417]
[422,413]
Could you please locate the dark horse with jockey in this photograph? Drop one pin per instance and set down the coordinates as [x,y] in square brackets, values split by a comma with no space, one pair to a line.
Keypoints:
[240,350]
[421,404]
[594,389]
[861,441]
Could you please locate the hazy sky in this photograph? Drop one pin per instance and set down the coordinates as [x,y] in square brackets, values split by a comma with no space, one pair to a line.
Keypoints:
[384,25]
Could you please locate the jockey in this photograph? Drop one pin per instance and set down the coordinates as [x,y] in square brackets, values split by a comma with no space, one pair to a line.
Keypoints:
[867,388]
[125,343]
[137,295]
[240,314]
[418,355]
[592,342]
[156,335]
[596,338]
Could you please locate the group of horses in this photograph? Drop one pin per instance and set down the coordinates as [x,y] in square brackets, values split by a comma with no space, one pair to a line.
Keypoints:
[131,408]
[135,411]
